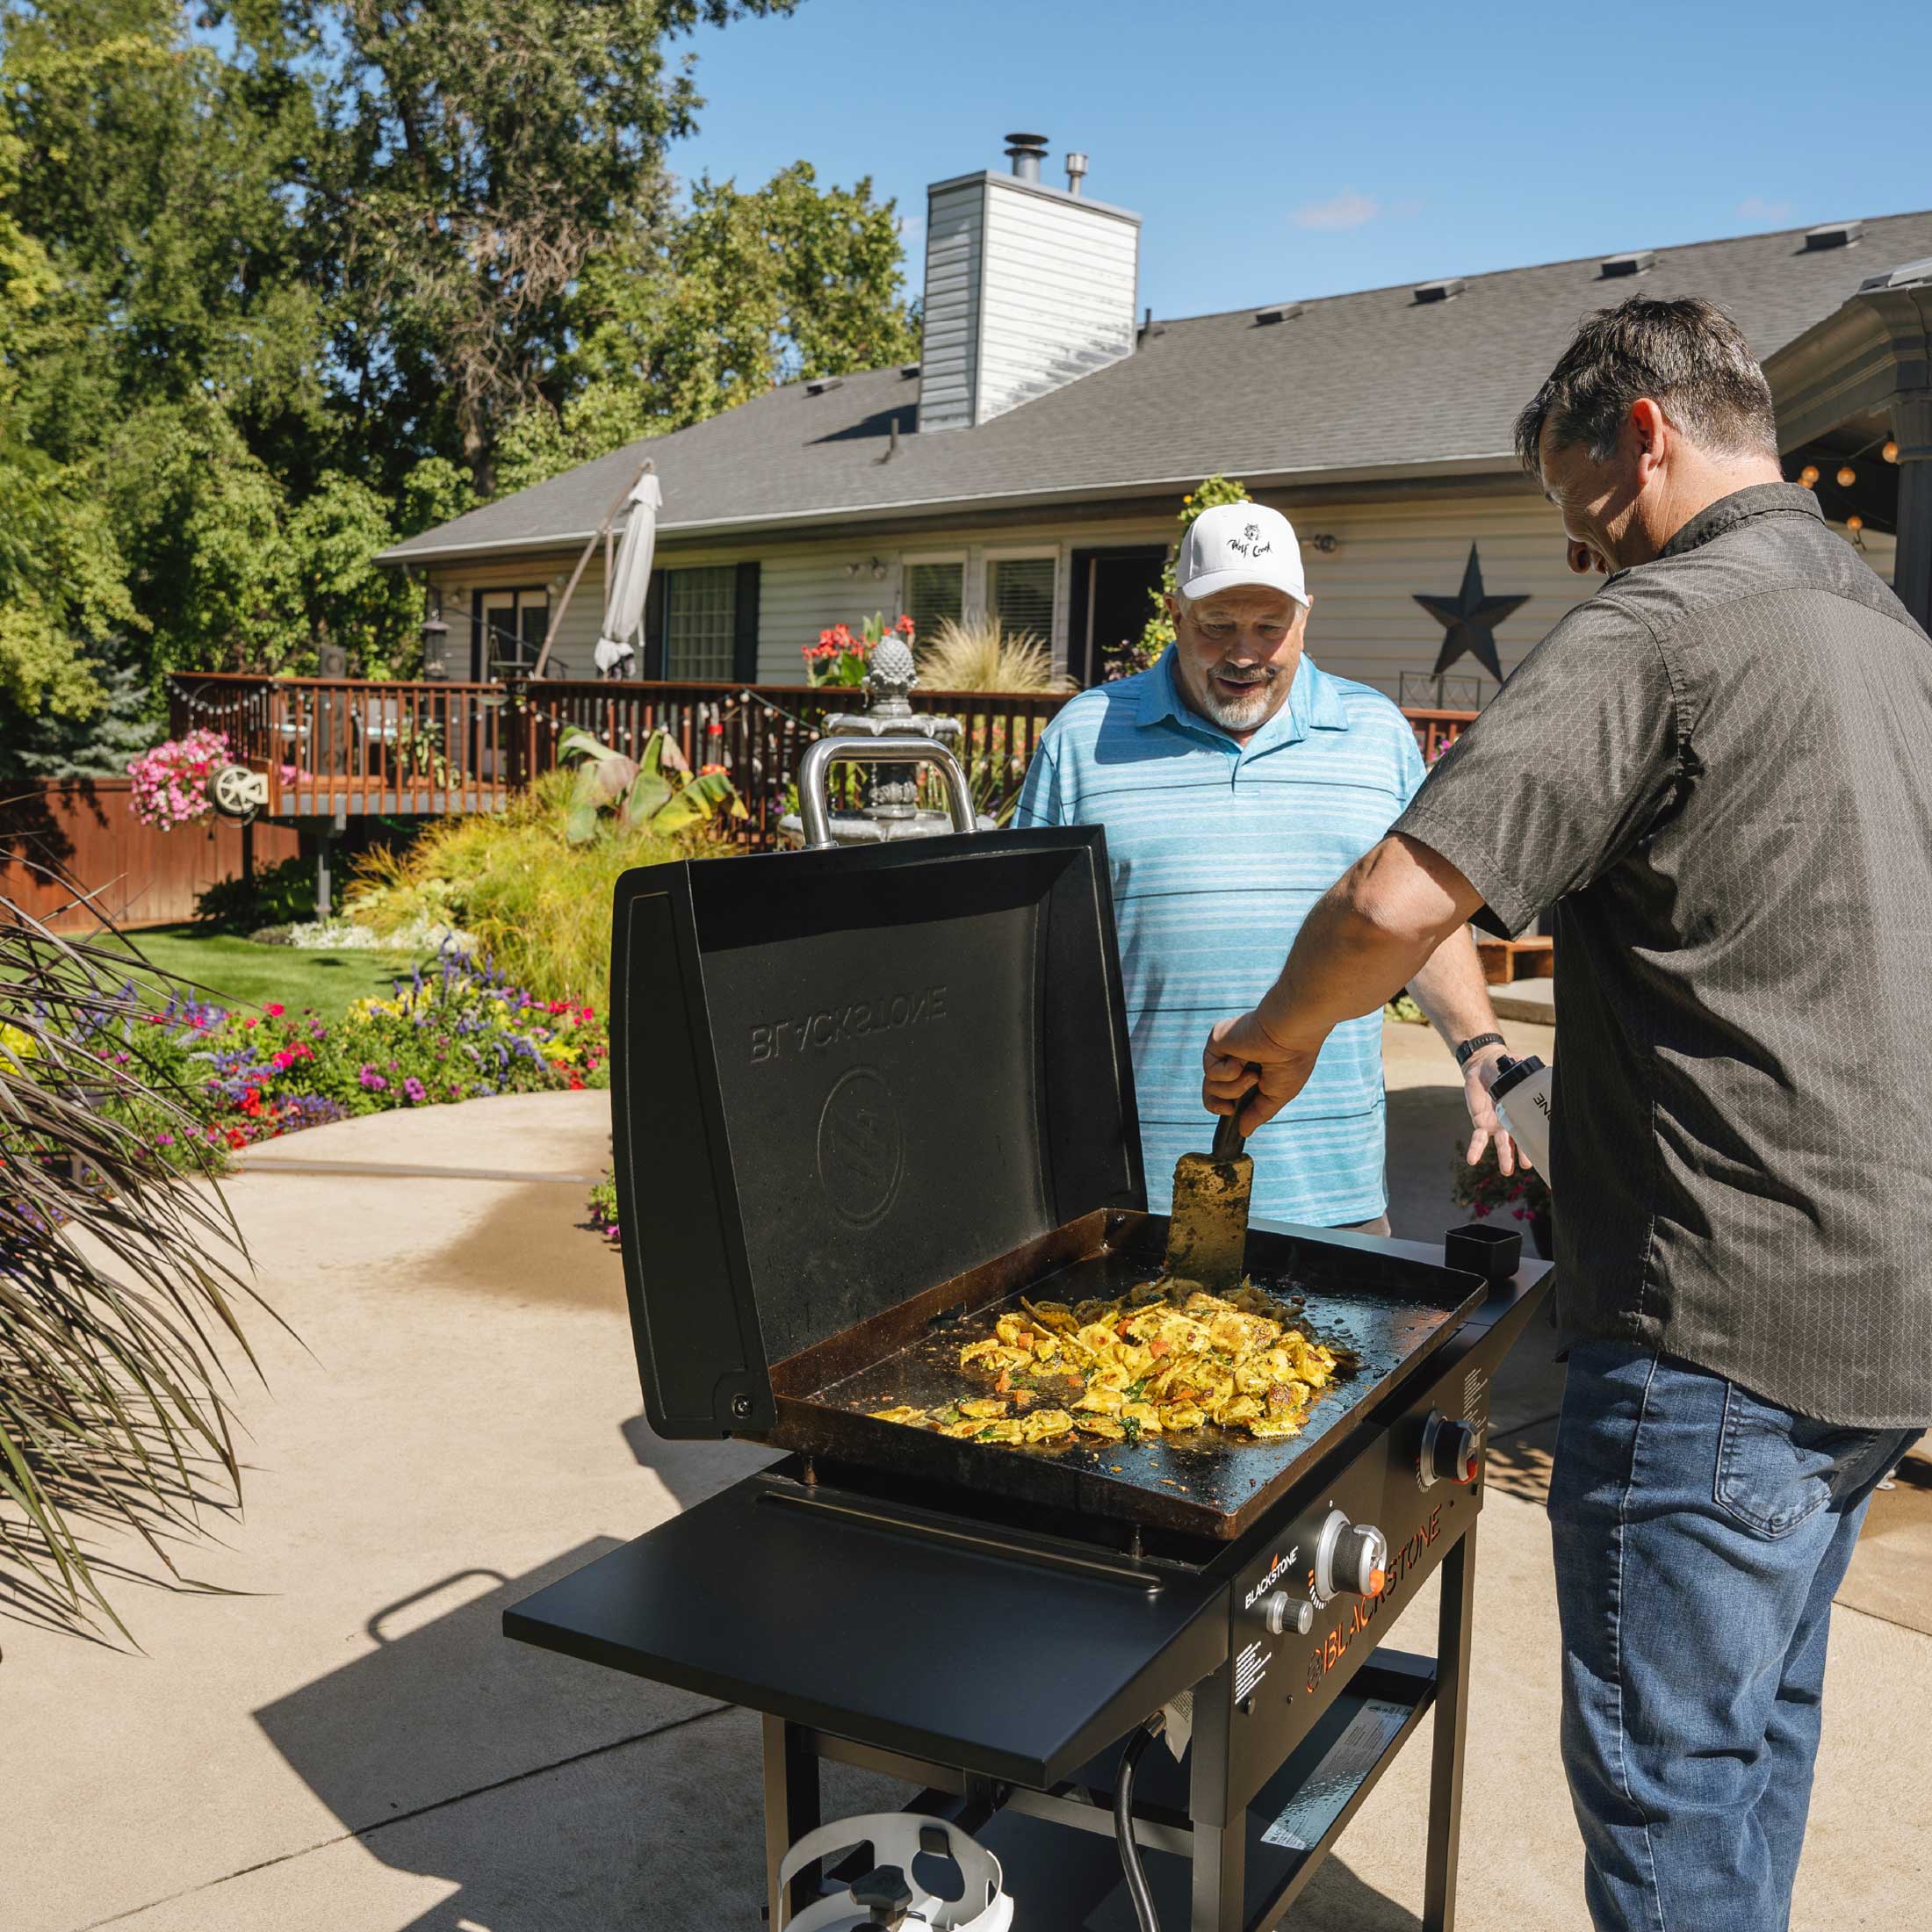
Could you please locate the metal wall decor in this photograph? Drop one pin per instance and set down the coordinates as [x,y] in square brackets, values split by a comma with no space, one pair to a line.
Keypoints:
[1469,620]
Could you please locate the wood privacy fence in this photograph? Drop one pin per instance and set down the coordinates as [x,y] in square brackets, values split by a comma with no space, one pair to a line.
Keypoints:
[349,747]
[59,838]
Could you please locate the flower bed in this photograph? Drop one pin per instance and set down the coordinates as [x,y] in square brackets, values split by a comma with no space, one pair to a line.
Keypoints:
[460,1032]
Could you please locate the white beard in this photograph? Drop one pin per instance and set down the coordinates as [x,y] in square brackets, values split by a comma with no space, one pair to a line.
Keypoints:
[1242,714]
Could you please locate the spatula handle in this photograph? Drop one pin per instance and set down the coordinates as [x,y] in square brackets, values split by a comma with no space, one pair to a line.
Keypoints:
[1229,1138]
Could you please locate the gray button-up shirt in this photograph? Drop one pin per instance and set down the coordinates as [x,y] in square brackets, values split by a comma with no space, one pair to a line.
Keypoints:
[1718,771]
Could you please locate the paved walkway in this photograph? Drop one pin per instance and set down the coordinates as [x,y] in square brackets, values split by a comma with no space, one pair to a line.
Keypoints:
[347,1744]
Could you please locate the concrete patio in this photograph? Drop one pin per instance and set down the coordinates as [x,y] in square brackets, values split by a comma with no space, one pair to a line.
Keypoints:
[347,1744]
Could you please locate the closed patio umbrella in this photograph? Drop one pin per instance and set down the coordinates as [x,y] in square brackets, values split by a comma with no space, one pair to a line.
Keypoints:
[623,602]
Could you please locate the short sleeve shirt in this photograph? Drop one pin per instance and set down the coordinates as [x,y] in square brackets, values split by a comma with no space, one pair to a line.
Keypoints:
[1217,851]
[1719,773]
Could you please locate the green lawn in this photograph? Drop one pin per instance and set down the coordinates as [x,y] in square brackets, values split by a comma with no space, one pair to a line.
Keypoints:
[237,971]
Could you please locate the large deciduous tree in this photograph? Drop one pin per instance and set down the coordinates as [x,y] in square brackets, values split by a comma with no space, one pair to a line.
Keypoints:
[281,281]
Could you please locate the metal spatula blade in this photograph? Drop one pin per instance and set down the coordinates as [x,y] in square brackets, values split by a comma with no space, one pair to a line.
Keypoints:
[1207,1232]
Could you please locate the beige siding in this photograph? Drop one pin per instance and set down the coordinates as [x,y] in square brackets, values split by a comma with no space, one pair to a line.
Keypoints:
[1366,623]
[462,584]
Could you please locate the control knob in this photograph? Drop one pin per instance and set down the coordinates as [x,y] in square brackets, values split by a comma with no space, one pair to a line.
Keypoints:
[1349,1556]
[1449,1451]
[1284,1611]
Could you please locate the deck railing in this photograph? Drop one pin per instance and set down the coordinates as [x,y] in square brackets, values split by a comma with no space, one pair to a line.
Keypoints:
[352,747]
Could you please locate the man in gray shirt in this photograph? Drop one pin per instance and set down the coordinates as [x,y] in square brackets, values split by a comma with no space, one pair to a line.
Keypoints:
[1718,771]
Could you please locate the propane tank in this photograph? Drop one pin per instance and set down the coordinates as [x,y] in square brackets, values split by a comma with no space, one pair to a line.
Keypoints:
[1522,1096]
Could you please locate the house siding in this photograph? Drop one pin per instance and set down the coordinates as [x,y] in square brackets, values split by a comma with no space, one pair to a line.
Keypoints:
[954,237]
[1365,623]
[1056,297]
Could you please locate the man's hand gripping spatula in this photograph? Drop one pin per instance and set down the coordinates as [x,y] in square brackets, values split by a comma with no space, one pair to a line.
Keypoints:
[1208,1233]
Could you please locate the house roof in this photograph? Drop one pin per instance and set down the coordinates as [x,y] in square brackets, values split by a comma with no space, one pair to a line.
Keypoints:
[1366,384]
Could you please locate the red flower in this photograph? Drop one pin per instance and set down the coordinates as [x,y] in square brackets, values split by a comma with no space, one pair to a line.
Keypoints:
[904,626]
[576,1085]
[275,1009]
[249,1022]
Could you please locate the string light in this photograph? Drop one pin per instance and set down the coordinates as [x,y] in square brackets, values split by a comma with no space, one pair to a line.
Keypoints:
[1891,451]
[1808,475]
[1847,477]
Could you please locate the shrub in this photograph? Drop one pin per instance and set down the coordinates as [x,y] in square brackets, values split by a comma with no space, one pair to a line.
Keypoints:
[985,656]
[278,895]
[604,1206]
[536,904]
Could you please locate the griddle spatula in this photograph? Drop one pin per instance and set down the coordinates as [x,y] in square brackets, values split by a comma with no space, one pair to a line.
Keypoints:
[1207,1231]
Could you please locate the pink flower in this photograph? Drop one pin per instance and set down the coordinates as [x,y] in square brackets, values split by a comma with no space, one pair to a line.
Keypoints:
[275,1009]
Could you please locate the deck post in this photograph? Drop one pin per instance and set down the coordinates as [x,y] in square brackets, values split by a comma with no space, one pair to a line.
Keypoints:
[1911,563]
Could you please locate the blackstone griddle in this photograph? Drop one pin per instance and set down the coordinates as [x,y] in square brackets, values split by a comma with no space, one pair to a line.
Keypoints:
[863,1099]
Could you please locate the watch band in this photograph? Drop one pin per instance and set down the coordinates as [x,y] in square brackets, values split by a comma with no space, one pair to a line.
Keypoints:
[1469,1049]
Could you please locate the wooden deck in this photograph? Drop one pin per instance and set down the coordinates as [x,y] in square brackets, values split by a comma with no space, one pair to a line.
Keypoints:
[351,747]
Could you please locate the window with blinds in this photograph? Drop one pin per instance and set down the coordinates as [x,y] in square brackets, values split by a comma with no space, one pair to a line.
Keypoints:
[934,593]
[1022,595]
[700,623]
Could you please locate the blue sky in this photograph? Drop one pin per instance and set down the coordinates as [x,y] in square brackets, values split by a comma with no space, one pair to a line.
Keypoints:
[1280,150]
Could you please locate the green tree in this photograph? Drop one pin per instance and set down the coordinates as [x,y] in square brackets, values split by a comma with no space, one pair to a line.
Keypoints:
[482,153]
[60,572]
[747,290]
[348,598]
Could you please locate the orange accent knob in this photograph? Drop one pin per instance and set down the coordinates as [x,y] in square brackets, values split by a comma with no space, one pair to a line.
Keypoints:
[1376,1579]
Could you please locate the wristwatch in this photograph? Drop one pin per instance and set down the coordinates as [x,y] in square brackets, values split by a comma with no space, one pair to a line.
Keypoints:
[1469,1049]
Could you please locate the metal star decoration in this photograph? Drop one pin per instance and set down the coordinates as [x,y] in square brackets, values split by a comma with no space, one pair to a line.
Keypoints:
[1469,619]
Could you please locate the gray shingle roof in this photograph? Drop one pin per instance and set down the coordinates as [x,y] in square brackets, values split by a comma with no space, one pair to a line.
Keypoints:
[1364,383]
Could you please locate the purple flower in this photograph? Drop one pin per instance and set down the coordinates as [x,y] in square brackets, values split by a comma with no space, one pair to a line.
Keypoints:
[416,1089]
[370,1080]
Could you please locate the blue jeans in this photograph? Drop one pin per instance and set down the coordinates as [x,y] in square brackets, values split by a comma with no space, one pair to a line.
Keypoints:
[1700,1535]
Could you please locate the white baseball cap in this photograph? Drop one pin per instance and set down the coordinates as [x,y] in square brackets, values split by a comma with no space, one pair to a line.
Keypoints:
[1240,543]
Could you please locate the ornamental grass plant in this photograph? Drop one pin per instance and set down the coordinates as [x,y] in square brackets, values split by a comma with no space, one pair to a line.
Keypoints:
[537,905]
[120,1281]
[983,655]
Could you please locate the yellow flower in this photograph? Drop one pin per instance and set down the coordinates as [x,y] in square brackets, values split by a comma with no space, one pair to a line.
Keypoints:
[16,1044]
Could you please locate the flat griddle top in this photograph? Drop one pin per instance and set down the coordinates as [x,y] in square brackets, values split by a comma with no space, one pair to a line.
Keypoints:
[1383,1313]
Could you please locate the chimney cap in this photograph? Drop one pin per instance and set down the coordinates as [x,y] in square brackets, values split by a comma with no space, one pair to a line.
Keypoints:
[1035,143]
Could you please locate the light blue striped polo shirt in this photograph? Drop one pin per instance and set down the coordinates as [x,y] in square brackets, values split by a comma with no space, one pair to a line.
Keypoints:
[1218,851]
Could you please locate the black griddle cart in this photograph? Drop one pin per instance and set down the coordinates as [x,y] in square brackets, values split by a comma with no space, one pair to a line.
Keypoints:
[861,1097]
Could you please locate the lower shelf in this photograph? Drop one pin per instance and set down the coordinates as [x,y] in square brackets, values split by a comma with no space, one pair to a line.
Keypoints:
[1069,1880]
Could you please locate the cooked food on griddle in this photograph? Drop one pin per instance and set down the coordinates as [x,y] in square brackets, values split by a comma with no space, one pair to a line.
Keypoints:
[1168,1360]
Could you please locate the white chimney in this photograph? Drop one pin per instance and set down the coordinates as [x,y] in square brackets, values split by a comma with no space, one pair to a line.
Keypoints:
[1026,288]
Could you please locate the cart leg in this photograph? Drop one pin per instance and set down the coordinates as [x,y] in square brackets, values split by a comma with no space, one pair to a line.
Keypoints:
[1459,1582]
[1219,1903]
[791,1810]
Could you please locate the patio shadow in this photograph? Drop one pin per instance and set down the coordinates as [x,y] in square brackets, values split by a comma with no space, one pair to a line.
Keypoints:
[405,1742]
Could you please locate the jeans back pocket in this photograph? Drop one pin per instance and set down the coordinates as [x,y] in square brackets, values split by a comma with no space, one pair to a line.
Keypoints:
[1773,1471]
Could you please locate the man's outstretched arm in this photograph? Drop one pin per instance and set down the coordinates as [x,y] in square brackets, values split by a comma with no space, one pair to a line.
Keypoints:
[1367,938]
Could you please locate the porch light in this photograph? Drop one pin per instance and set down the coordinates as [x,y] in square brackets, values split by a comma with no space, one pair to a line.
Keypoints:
[1847,477]
[1891,451]
[1808,476]
[1856,526]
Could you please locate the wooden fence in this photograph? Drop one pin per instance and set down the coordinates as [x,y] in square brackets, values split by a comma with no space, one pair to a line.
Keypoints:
[60,838]
[353,747]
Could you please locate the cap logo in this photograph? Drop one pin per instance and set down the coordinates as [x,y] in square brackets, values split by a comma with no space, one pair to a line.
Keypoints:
[1248,543]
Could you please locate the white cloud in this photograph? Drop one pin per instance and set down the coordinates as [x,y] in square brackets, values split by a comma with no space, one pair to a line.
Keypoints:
[1757,208]
[1346,210]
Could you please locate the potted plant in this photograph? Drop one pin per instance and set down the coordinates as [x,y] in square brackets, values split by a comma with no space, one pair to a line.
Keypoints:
[1485,1190]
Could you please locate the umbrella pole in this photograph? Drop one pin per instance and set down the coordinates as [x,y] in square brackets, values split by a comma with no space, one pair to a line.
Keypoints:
[597,536]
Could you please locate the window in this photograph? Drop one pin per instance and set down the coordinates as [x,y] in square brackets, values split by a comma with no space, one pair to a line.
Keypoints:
[934,593]
[701,623]
[1022,595]
[509,631]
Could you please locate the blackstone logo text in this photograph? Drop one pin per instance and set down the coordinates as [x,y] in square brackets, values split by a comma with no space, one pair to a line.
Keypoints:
[820,1032]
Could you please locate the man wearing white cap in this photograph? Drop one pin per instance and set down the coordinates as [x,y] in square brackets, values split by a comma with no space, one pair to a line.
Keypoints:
[1237,782]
